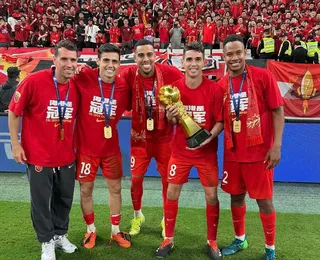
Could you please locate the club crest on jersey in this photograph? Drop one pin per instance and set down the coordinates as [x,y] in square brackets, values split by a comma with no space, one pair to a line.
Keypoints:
[17,96]
[38,168]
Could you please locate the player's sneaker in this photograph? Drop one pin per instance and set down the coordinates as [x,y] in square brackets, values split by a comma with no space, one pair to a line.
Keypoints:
[63,243]
[165,248]
[89,240]
[270,254]
[213,250]
[163,226]
[136,224]
[236,246]
[48,252]
[123,239]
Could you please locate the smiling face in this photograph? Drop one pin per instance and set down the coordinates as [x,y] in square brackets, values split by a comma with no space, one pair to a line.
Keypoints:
[109,64]
[234,55]
[145,58]
[65,63]
[193,62]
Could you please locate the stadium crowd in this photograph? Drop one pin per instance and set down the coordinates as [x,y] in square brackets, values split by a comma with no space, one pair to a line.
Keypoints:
[265,25]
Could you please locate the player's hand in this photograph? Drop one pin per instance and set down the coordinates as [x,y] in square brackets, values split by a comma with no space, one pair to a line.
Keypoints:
[18,153]
[201,145]
[81,67]
[273,157]
[171,112]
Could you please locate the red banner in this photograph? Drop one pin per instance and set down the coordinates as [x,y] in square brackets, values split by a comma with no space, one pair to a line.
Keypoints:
[300,88]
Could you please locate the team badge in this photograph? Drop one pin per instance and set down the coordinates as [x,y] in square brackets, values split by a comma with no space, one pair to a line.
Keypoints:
[38,168]
[17,96]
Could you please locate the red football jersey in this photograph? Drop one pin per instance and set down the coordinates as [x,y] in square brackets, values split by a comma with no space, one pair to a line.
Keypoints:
[89,131]
[169,74]
[205,105]
[114,34]
[36,101]
[268,98]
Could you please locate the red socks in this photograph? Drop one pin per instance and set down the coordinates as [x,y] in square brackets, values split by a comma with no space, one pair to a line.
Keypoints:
[115,219]
[212,213]
[269,227]
[164,190]
[136,192]
[239,220]
[170,216]
[89,219]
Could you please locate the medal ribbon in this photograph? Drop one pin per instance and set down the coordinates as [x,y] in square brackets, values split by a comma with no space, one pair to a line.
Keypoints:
[61,112]
[107,113]
[149,98]
[234,101]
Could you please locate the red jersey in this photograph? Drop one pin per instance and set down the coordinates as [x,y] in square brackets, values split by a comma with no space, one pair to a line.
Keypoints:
[191,34]
[268,98]
[149,32]
[5,33]
[209,32]
[169,74]
[70,34]
[164,34]
[205,105]
[223,32]
[114,34]
[240,29]
[255,39]
[55,37]
[100,39]
[36,101]
[138,32]
[126,33]
[89,131]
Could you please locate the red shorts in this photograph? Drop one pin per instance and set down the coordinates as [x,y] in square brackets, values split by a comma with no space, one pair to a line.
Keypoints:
[160,152]
[254,178]
[179,170]
[87,167]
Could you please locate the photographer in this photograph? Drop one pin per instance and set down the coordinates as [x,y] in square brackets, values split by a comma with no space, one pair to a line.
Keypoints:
[91,31]
[176,33]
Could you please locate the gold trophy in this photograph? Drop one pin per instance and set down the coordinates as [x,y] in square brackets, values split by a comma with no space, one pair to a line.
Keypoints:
[169,95]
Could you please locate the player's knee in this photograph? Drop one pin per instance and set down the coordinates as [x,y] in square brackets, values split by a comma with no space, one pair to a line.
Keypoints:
[238,200]
[173,191]
[85,191]
[265,206]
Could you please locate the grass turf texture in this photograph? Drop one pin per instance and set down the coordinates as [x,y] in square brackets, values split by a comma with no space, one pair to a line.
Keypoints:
[296,235]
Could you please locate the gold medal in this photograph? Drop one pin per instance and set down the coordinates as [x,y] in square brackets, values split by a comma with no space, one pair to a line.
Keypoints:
[107,132]
[150,124]
[236,126]
[61,134]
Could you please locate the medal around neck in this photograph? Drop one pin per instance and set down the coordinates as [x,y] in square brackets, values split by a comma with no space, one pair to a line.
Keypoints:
[150,124]
[107,132]
[169,95]
[237,126]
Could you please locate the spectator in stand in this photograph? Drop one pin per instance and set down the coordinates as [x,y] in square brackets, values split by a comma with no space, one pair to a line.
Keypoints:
[68,18]
[266,48]
[299,54]
[80,35]
[20,34]
[86,13]
[100,39]
[43,36]
[149,33]
[5,33]
[191,33]
[209,34]
[298,38]
[176,33]
[115,33]
[126,35]
[55,36]
[90,34]
[256,31]
[69,33]
[8,88]
[3,10]
[285,49]
[224,31]
[164,34]
[137,31]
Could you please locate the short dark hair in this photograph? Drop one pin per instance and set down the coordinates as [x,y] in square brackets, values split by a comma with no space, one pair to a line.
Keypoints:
[194,46]
[233,38]
[108,47]
[142,43]
[70,46]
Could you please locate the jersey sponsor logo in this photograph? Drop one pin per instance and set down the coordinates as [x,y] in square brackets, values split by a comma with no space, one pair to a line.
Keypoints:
[17,96]
[96,107]
[53,114]
[198,113]
[38,168]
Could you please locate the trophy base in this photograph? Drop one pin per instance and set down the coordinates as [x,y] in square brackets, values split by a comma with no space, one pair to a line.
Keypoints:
[198,138]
